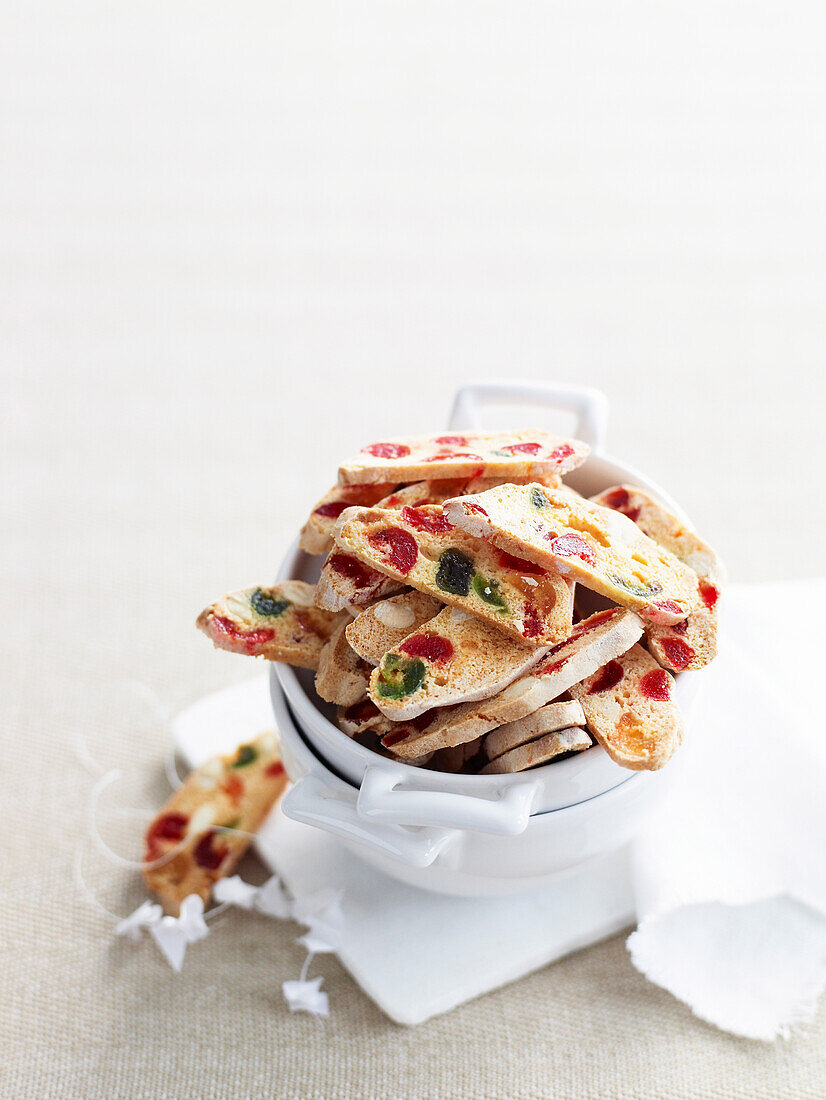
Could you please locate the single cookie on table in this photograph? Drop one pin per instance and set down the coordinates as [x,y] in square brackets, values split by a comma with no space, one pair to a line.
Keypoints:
[629,710]
[420,547]
[201,833]
[464,454]
[346,584]
[592,643]
[595,546]
[548,719]
[278,622]
[379,627]
[692,643]
[317,533]
[437,492]
[453,658]
[540,751]
[342,676]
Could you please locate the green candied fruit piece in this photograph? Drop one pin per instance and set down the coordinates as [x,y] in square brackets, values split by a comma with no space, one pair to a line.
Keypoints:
[269,607]
[399,677]
[644,591]
[490,592]
[246,755]
[538,498]
[230,826]
[455,572]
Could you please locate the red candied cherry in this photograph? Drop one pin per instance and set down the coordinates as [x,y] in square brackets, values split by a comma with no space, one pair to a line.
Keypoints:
[223,628]
[168,827]
[387,450]
[471,508]
[608,677]
[519,565]
[522,448]
[708,593]
[532,621]
[563,451]
[233,786]
[436,523]
[656,685]
[206,856]
[453,456]
[451,440]
[678,653]
[433,647]
[361,712]
[353,569]
[398,548]
[573,546]
[333,509]
[274,769]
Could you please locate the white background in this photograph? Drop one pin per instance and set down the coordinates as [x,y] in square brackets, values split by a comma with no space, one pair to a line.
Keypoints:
[291,228]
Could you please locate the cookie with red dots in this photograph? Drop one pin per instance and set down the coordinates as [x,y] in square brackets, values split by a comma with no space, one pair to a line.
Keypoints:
[437,492]
[204,828]
[345,583]
[692,643]
[342,675]
[597,547]
[453,658]
[592,643]
[465,454]
[629,709]
[379,627]
[360,718]
[317,533]
[278,622]
[420,547]
[548,719]
[539,751]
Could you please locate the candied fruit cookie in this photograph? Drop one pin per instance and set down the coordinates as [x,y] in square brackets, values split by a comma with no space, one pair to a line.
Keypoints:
[548,719]
[594,641]
[437,492]
[464,454]
[629,710]
[347,584]
[379,627]
[278,623]
[692,643]
[360,718]
[317,533]
[540,751]
[342,676]
[201,833]
[420,547]
[597,547]
[453,658]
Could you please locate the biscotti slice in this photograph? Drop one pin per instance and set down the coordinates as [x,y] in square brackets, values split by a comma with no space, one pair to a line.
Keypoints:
[595,546]
[594,641]
[347,584]
[453,658]
[692,643]
[420,547]
[342,676]
[628,708]
[278,623]
[378,628]
[360,718]
[202,831]
[437,492]
[317,533]
[548,719]
[453,759]
[539,751]
[464,455]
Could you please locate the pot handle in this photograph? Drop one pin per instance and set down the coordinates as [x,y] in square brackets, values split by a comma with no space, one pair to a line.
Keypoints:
[382,798]
[590,405]
[312,802]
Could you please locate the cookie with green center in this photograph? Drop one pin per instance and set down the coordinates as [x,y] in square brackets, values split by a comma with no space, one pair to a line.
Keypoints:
[277,622]
[454,658]
[690,644]
[342,676]
[420,547]
[205,826]
[593,545]
[629,709]
[381,626]
[464,455]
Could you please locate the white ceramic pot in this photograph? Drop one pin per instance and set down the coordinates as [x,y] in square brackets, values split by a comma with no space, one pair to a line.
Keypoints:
[392,793]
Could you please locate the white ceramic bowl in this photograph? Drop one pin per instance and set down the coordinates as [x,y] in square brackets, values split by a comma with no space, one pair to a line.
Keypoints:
[394,793]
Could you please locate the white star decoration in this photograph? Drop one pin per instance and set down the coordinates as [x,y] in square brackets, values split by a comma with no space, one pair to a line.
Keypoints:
[306,996]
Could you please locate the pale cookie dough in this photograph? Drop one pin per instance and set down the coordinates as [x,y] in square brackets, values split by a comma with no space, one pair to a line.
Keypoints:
[548,719]
[342,676]
[628,708]
[378,628]
[538,752]
[278,623]
[201,833]
[420,547]
[464,454]
[595,546]
[453,658]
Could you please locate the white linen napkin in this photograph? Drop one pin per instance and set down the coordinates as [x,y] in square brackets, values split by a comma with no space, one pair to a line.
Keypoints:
[728,881]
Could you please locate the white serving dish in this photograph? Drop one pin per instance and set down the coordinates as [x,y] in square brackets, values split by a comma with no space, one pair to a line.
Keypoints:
[393,793]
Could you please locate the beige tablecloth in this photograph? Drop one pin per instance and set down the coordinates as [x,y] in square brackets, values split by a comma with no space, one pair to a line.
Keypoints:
[238,241]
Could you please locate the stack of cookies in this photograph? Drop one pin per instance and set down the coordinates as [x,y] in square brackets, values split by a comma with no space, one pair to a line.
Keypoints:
[474,613]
